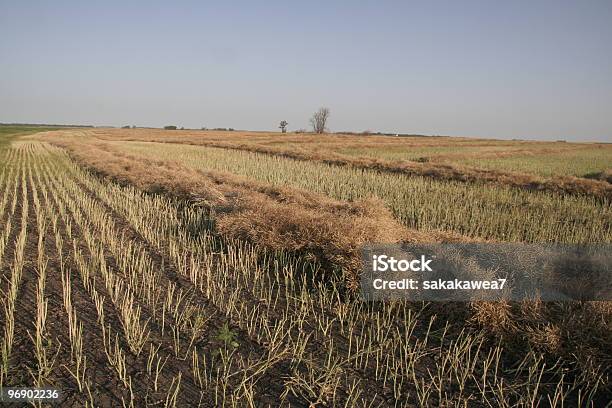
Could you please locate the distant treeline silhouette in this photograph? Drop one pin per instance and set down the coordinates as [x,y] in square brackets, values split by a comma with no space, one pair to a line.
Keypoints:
[44,125]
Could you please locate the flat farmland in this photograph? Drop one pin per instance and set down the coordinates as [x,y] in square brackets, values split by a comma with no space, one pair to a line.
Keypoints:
[541,159]
[191,268]
[417,202]
[547,159]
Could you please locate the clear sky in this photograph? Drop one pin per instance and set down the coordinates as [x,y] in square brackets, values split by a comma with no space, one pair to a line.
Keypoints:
[533,69]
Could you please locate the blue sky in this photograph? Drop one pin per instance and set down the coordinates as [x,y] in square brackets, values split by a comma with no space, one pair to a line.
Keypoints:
[515,69]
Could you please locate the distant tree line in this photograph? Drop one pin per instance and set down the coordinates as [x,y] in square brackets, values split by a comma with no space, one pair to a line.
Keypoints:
[318,123]
[174,127]
[45,125]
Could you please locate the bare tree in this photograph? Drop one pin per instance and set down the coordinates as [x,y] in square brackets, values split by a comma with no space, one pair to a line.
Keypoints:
[319,120]
[283,126]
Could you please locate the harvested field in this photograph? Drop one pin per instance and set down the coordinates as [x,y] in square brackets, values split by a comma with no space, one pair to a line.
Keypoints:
[148,274]
[482,212]
[585,162]
[328,149]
